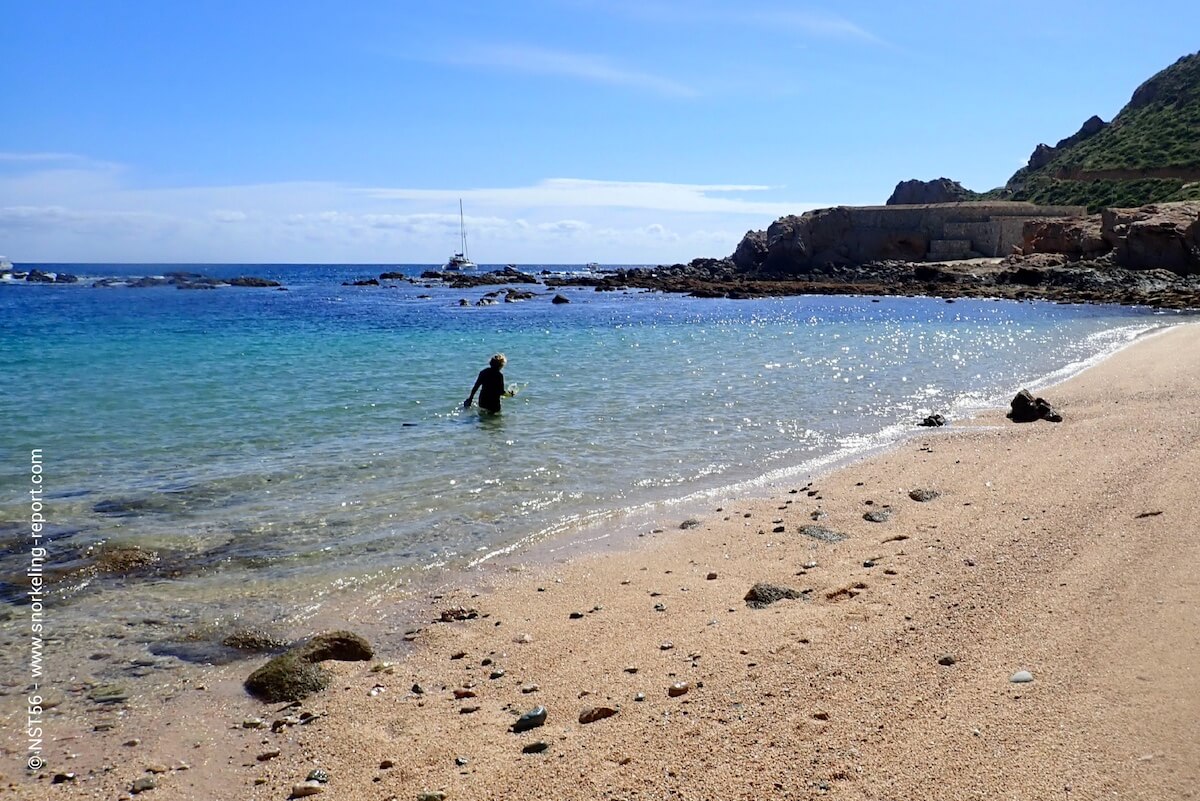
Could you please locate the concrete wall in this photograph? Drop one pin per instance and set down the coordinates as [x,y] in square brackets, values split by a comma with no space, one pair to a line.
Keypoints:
[991,229]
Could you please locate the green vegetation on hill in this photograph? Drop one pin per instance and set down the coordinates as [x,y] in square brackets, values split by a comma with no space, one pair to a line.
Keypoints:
[1149,153]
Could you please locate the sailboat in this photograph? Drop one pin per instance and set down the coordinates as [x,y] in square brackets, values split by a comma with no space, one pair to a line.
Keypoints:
[460,260]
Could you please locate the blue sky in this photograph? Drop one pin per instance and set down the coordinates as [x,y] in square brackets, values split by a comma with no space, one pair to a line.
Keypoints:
[573,130]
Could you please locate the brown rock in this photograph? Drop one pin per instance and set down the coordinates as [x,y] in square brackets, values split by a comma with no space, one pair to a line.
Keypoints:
[596,713]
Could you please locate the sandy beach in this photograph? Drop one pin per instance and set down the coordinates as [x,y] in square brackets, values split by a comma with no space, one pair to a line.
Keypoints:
[1065,550]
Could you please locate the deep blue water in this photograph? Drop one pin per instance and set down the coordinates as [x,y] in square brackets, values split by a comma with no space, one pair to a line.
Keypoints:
[316,433]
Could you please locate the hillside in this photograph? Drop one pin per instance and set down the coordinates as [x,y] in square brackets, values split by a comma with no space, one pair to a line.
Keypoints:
[1149,153]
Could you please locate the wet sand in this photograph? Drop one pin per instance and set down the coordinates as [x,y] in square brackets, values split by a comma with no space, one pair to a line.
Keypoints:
[1067,550]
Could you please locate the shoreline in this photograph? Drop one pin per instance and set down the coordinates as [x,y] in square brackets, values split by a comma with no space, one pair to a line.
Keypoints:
[721,544]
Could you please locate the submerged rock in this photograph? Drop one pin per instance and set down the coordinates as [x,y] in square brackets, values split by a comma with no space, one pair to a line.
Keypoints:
[297,673]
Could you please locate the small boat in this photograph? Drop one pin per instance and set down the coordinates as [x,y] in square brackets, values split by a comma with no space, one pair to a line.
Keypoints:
[460,261]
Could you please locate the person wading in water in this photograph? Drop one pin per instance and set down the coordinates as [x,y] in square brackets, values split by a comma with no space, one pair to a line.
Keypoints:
[489,385]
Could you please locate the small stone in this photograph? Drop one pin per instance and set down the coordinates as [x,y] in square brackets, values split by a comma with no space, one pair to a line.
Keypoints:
[631,669]
[387,764]
[1021,677]
[666,646]
[523,639]
[762,595]
[156,767]
[317,775]
[461,761]
[878,515]
[59,778]
[820,716]
[711,576]
[268,755]
[306,789]
[498,673]
[869,563]
[417,689]
[131,743]
[436,795]
[143,784]
[947,659]
[596,713]
[458,654]
[535,748]
[640,697]
[821,533]
[529,688]
[109,694]
[678,688]
[464,693]
[923,495]
[575,615]
[689,523]
[253,723]
[660,607]
[530,720]
[467,710]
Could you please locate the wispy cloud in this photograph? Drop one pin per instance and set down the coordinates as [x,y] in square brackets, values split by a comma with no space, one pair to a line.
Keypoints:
[580,66]
[584,193]
[776,17]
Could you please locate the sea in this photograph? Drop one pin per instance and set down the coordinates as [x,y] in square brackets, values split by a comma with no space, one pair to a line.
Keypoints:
[287,451]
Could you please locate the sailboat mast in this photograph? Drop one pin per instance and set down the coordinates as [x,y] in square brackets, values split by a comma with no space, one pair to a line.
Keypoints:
[462,228]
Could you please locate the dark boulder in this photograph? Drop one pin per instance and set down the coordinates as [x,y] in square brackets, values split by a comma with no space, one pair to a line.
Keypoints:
[297,673]
[933,421]
[39,277]
[559,299]
[65,278]
[1026,409]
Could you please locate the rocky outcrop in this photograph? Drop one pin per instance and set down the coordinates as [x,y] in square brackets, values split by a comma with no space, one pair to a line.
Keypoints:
[1043,154]
[1163,236]
[1076,237]
[939,190]
[752,251]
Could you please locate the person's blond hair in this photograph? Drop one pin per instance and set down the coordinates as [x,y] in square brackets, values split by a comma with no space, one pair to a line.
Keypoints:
[498,360]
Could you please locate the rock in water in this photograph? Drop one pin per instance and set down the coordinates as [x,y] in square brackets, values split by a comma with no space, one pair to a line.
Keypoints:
[763,594]
[530,720]
[933,421]
[559,299]
[297,673]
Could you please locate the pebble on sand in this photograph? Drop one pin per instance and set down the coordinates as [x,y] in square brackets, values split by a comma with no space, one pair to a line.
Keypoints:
[596,713]
[947,660]
[678,688]
[1021,677]
[305,789]
[530,720]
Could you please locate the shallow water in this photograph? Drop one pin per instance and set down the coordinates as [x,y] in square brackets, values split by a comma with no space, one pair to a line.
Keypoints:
[283,448]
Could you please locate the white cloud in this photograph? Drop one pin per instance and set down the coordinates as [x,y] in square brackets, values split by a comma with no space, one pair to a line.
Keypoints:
[94,213]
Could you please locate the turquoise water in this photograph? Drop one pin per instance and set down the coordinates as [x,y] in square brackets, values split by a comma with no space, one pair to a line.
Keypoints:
[289,447]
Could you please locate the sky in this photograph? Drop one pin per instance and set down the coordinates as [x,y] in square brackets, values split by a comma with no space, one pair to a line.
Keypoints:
[620,132]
